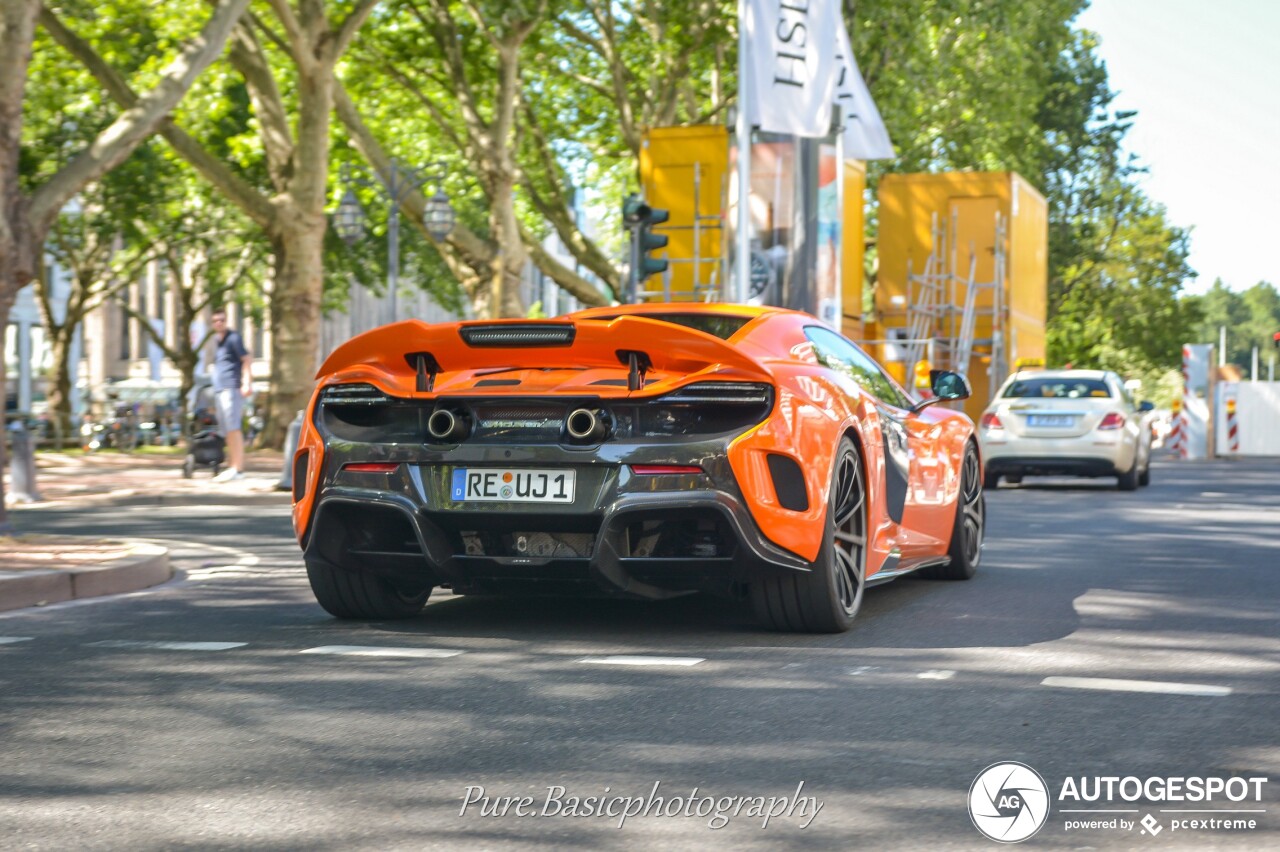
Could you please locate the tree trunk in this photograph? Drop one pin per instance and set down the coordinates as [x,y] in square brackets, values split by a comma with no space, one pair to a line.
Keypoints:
[17,30]
[508,265]
[186,365]
[61,387]
[6,304]
[295,323]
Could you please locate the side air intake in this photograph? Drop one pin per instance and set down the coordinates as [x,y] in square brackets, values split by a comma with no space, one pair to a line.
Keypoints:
[788,483]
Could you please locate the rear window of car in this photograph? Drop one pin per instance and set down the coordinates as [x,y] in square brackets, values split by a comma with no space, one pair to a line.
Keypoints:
[717,326]
[1060,388]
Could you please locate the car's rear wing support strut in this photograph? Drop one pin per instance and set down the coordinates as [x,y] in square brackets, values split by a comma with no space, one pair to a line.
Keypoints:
[638,364]
[426,366]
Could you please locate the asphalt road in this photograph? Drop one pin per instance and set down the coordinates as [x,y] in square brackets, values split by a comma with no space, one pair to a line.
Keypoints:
[115,737]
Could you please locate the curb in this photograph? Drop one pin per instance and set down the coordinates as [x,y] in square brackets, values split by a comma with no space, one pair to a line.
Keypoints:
[131,497]
[214,498]
[149,567]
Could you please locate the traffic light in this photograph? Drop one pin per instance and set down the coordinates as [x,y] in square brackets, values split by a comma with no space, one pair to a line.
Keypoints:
[639,218]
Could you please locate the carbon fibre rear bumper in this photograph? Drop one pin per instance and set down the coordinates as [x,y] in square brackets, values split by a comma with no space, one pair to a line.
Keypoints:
[644,536]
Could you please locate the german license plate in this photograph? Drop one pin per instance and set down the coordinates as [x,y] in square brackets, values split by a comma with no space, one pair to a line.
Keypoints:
[514,485]
[1060,420]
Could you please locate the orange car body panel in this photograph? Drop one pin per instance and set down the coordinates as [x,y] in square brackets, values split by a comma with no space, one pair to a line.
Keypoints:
[813,408]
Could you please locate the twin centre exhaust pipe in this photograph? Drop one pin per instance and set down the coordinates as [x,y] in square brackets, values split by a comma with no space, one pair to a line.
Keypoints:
[444,425]
[587,426]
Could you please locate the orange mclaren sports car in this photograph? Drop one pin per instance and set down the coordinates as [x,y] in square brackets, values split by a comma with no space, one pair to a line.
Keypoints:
[642,450]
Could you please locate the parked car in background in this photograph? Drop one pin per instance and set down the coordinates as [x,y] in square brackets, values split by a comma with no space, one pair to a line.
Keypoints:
[1066,422]
[641,451]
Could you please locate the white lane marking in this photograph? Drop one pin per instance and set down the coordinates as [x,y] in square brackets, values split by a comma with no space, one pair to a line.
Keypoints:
[941,674]
[1121,685]
[168,646]
[210,569]
[374,651]
[9,640]
[623,660]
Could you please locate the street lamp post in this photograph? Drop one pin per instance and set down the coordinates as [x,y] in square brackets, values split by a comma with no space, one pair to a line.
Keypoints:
[398,181]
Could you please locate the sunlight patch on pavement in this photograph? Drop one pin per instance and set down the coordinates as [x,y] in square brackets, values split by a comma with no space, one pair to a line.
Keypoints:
[375,651]
[622,660]
[1122,685]
[168,646]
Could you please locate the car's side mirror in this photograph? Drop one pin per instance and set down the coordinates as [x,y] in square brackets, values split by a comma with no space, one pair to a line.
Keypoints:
[949,385]
[1146,405]
[946,386]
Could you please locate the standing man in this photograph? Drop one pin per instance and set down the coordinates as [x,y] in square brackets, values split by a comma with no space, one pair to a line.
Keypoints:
[232,382]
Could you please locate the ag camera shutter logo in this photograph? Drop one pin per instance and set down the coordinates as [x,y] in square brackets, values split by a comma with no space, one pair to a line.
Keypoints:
[1008,802]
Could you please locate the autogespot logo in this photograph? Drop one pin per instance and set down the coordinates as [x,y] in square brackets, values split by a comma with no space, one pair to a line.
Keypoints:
[1008,802]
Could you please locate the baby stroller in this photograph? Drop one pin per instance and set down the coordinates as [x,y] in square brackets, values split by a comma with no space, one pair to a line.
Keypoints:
[205,447]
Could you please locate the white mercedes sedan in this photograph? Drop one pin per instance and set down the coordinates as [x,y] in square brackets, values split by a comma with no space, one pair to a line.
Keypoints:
[1065,422]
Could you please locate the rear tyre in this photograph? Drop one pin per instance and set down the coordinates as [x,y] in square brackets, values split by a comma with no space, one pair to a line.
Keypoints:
[1144,478]
[356,594]
[970,527]
[991,481]
[1014,480]
[826,599]
[1129,481]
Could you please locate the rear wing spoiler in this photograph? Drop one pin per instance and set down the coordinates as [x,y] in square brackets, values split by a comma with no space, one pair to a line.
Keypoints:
[416,351]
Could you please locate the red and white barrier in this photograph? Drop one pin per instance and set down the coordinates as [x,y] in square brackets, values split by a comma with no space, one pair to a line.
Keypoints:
[1175,440]
[1233,427]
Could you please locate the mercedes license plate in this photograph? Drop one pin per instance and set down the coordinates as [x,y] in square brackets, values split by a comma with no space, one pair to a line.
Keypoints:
[513,485]
[1059,420]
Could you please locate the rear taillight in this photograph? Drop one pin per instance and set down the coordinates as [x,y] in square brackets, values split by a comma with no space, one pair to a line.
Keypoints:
[991,421]
[702,408]
[1114,420]
[370,467]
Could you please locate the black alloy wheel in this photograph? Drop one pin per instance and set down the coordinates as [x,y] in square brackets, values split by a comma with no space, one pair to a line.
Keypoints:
[850,544]
[828,596]
[970,527]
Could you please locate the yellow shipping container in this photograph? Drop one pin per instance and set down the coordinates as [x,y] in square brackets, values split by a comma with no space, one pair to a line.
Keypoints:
[686,170]
[683,171]
[958,218]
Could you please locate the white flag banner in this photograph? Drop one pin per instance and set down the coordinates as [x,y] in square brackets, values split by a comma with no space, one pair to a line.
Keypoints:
[865,136]
[788,78]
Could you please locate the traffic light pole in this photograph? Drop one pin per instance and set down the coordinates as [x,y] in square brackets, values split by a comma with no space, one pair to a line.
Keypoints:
[633,271]
[742,230]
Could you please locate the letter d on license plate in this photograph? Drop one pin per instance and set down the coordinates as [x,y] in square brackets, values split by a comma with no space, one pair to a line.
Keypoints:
[516,485]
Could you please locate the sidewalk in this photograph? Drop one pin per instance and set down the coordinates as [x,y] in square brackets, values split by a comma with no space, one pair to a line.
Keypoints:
[141,478]
[36,570]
